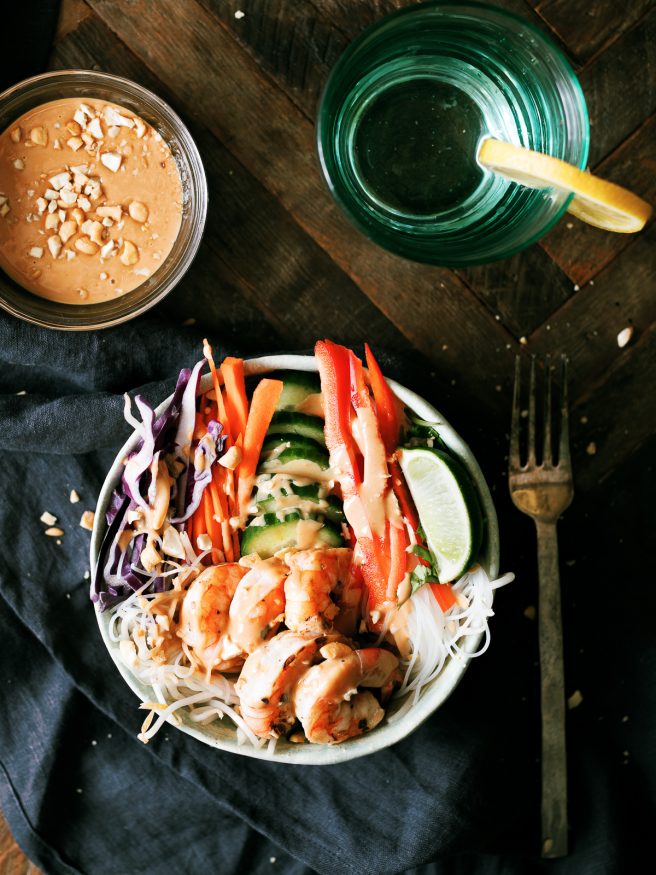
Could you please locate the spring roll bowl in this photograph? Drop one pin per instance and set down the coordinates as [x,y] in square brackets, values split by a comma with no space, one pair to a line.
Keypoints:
[223,734]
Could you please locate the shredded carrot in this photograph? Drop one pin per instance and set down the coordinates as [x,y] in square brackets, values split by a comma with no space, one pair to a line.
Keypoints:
[398,541]
[236,403]
[233,480]
[216,381]
[220,510]
[444,596]
[213,528]
[263,405]
[198,526]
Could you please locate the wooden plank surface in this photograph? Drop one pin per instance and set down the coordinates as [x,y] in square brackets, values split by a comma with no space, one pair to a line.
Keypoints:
[280,266]
[12,859]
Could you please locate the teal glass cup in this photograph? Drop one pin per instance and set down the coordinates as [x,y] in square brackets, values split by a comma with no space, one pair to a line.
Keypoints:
[403,115]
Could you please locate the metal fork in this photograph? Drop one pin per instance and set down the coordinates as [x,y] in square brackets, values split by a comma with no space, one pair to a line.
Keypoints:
[544,491]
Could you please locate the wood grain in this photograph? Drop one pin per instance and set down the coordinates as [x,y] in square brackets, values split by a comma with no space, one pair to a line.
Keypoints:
[582,251]
[12,859]
[428,305]
[589,27]
[620,88]
[280,266]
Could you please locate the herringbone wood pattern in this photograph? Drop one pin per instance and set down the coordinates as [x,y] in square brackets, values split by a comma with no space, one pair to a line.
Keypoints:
[280,267]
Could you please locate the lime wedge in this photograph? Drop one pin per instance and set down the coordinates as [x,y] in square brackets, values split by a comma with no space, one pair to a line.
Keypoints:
[448,509]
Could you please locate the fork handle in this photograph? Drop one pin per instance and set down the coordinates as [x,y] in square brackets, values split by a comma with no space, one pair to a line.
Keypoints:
[552,695]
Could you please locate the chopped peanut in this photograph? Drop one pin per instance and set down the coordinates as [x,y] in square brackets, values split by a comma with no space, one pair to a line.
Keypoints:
[129,254]
[138,212]
[86,246]
[54,245]
[87,519]
[39,136]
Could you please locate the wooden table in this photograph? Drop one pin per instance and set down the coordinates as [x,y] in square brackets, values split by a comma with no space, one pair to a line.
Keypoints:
[280,267]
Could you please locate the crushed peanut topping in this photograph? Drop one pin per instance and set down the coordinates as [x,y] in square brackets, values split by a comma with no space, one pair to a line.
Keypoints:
[86,179]
[86,520]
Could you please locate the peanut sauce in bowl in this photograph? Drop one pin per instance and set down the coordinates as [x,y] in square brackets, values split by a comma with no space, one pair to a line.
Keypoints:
[102,199]
[91,201]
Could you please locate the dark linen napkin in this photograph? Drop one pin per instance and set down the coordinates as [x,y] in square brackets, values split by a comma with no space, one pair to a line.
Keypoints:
[82,794]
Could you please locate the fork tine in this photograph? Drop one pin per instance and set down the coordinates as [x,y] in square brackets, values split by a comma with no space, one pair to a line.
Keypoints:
[563,446]
[531,416]
[546,446]
[513,458]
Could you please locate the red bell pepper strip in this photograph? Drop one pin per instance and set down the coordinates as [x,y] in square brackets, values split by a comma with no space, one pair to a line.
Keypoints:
[403,496]
[334,370]
[375,475]
[386,409]
[389,427]
[444,596]
[363,486]
[374,578]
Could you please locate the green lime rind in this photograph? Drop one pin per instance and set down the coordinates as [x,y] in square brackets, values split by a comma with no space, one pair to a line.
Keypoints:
[448,508]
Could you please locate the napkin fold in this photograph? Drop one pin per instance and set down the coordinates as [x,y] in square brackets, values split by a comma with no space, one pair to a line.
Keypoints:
[77,779]
[82,794]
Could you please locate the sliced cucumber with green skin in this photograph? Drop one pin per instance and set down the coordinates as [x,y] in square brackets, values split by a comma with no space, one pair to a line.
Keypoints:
[297,461]
[274,441]
[333,511]
[275,535]
[296,387]
[289,422]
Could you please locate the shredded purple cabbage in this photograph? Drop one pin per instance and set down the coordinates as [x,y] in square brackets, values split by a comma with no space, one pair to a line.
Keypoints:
[209,449]
[102,591]
[118,574]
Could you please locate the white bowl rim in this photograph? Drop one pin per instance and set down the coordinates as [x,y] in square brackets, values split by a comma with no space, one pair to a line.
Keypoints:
[438,691]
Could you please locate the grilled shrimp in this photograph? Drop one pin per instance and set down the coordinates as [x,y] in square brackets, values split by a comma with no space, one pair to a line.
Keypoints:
[258,605]
[327,701]
[204,617]
[267,681]
[321,586]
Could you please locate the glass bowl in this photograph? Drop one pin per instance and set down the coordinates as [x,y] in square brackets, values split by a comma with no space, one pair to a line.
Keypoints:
[33,92]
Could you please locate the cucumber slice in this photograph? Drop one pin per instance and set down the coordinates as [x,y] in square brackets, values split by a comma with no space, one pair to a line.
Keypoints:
[297,462]
[289,422]
[275,535]
[274,441]
[296,386]
[333,511]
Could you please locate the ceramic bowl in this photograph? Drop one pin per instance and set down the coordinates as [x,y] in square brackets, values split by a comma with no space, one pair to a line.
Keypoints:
[222,735]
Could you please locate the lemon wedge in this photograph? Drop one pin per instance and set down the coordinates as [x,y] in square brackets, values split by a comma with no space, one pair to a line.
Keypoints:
[596,201]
